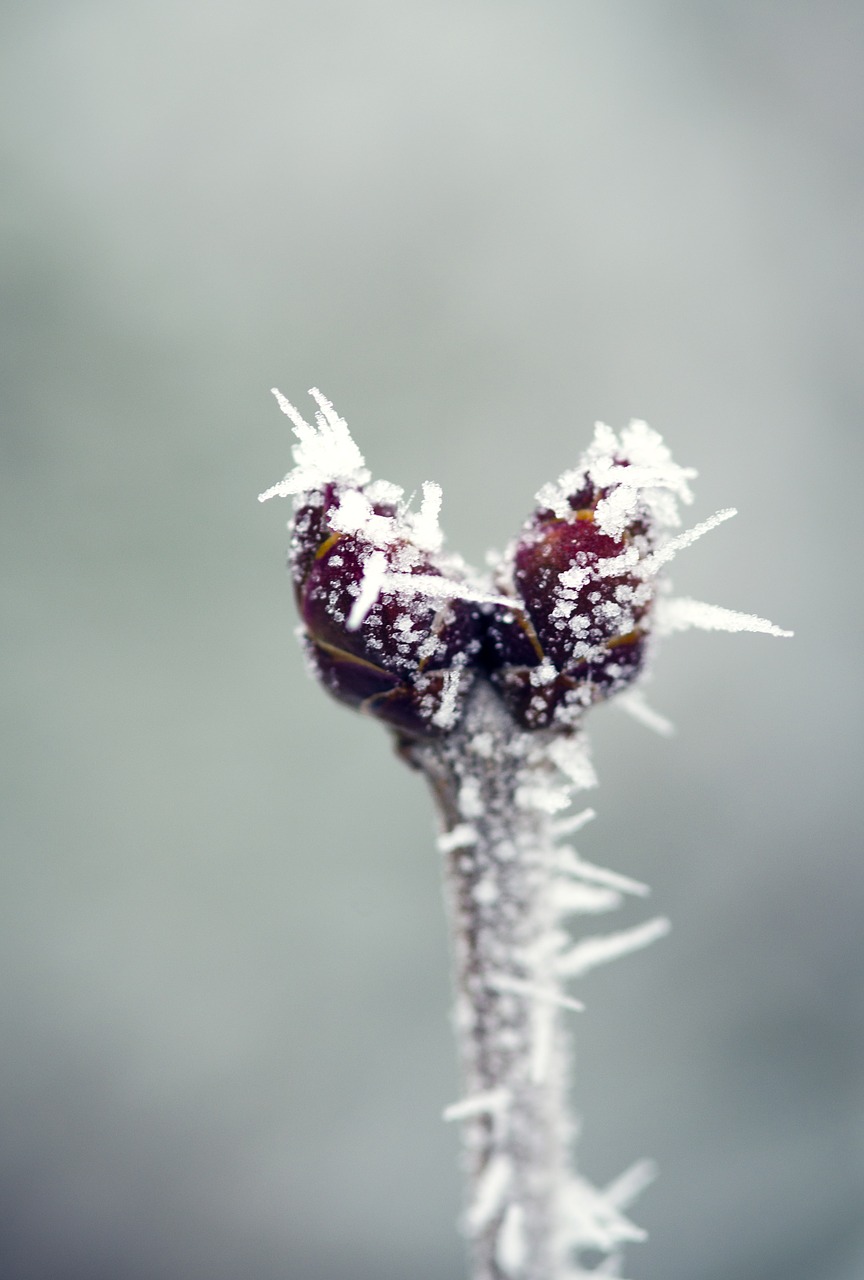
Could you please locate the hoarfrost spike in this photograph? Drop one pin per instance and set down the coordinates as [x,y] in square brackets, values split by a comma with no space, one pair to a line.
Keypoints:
[670,549]
[488,1103]
[629,1185]
[591,952]
[547,995]
[566,860]
[633,702]
[569,826]
[512,1244]
[681,613]
[491,1192]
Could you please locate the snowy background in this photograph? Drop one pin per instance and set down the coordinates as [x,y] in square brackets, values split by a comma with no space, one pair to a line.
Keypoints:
[478,225]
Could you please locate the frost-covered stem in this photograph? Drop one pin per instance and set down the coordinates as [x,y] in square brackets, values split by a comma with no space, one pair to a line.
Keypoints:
[485,680]
[490,780]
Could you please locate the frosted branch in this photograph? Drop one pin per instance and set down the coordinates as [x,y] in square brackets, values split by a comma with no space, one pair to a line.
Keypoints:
[485,681]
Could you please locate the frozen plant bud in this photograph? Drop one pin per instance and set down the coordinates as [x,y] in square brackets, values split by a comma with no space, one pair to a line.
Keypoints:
[390,626]
[582,576]
[397,629]
[399,652]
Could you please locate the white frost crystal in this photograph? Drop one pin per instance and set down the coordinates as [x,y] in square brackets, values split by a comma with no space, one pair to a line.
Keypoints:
[323,453]
[682,613]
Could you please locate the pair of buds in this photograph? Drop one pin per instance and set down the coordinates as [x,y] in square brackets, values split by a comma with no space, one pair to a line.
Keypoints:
[399,629]
[392,630]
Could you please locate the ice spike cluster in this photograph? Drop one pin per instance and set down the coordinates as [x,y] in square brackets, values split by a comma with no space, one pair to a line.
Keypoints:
[401,631]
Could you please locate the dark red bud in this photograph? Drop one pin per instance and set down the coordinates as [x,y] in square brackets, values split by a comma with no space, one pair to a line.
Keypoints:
[581,635]
[410,660]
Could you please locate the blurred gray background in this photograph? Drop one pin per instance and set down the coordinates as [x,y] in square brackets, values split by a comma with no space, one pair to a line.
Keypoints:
[478,225]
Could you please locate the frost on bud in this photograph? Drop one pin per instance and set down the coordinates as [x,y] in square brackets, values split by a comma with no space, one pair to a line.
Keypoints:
[378,643]
[582,578]
[397,629]
[387,627]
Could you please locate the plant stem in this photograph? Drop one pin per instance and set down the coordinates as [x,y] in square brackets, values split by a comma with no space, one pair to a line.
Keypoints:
[492,784]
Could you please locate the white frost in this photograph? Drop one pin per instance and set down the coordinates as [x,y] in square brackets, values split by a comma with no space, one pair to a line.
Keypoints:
[374,578]
[594,1221]
[595,1218]
[447,713]
[542,1040]
[489,1102]
[633,702]
[427,531]
[512,1245]
[567,860]
[591,952]
[570,753]
[436,587]
[470,799]
[583,899]
[670,549]
[541,797]
[463,836]
[356,515]
[491,1191]
[323,454]
[651,480]
[549,995]
[567,826]
[681,613]
[630,1184]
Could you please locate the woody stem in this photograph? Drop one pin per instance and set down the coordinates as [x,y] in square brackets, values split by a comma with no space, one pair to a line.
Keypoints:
[487,778]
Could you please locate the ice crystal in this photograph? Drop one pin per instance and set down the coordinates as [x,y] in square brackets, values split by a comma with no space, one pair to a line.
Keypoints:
[681,613]
[591,952]
[487,1103]
[324,454]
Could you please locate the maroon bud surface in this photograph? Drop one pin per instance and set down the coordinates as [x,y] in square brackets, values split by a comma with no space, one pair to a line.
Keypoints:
[578,630]
[410,657]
